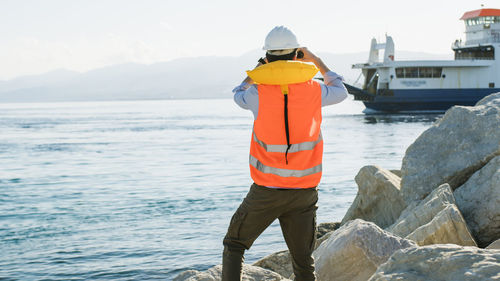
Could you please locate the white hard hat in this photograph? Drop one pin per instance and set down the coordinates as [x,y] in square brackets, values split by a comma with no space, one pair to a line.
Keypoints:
[280,38]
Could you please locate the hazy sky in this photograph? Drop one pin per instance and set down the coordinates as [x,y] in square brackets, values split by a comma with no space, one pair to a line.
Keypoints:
[39,36]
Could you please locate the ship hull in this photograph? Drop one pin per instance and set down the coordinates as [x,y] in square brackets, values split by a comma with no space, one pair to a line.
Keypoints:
[427,99]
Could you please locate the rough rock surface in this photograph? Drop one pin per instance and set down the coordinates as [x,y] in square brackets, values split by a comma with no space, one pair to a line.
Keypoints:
[354,251]
[495,98]
[456,146]
[441,262]
[325,227]
[396,172]
[494,246]
[322,239]
[279,262]
[415,216]
[378,199]
[479,201]
[250,273]
[448,226]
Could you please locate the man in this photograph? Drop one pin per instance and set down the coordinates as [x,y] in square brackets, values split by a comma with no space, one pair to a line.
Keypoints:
[285,153]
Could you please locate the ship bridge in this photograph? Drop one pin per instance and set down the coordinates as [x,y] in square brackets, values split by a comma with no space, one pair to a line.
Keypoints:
[482,27]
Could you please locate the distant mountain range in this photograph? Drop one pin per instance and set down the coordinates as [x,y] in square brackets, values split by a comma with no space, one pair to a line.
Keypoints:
[186,78]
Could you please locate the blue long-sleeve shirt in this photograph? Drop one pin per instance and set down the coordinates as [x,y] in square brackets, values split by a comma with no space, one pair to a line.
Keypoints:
[332,91]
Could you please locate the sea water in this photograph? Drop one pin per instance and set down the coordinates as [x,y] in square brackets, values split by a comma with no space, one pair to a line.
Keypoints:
[142,190]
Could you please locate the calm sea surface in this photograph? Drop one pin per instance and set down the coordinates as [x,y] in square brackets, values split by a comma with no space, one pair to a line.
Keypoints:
[143,190]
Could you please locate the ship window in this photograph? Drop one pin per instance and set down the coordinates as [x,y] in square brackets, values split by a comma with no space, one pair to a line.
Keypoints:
[400,72]
[489,19]
[425,72]
[471,22]
[411,72]
[476,53]
[419,72]
[436,72]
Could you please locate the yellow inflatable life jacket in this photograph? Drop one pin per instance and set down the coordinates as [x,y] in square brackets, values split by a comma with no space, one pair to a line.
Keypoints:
[282,73]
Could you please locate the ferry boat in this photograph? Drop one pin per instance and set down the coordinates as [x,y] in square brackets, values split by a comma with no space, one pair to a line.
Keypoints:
[435,85]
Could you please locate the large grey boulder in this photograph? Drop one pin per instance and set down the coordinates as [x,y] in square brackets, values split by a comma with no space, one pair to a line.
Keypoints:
[494,246]
[479,201]
[250,273]
[448,226]
[495,98]
[396,172]
[452,149]
[354,251]
[279,262]
[326,227]
[322,239]
[440,263]
[435,220]
[378,199]
[415,216]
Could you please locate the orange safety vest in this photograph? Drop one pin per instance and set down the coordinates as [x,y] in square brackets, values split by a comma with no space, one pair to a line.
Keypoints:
[281,157]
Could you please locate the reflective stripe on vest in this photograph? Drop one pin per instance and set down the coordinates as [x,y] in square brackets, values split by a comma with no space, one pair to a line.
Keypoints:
[308,145]
[283,172]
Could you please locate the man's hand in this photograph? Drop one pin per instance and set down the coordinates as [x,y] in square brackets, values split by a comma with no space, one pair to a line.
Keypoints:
[310,57]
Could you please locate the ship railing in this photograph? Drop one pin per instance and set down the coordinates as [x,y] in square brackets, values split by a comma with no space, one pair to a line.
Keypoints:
[459,44]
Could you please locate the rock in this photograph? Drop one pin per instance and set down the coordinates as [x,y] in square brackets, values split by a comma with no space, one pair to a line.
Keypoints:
[324,228]
[479,201]
[354,251]
[415,216]
[440,262]
[435,220]
[322,239]
[456,146]
[396,172]
[448,226]
[494,246]
[250,273]
[279,262]
[378,199]
[190,275]
[495,98]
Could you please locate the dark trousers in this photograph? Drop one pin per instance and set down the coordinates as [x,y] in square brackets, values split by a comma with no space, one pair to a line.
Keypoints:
[296,211]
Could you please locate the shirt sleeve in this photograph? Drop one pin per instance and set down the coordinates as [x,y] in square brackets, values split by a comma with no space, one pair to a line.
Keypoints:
[333,90]
[247,97]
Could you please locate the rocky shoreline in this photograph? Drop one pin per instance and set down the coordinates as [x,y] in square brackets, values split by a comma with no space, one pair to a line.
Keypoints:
[438,218]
